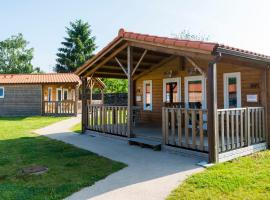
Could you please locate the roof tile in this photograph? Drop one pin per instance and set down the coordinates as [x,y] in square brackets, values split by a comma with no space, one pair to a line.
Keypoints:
[39,78]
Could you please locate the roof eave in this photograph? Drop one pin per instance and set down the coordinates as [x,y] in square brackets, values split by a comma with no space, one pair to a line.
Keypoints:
[241,54]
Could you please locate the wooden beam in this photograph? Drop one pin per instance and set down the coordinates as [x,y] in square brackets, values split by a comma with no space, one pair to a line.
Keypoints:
[130,91]
[138,63]
[95,59]
[212,112]
[76,99]
[160,64]
[193,63]
[106,60]
[110,76]
[174,51]
[84,106]
[120,64]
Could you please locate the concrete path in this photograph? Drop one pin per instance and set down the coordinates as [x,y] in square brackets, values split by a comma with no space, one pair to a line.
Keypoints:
[150,175]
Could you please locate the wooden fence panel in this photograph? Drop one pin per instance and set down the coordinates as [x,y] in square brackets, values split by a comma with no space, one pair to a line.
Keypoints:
[185,128]
[241,127]
[108,119]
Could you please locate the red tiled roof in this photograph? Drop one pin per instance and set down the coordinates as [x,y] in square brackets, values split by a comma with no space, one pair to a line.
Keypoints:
[201,45]
[39,78]
[206,46]
[210,47]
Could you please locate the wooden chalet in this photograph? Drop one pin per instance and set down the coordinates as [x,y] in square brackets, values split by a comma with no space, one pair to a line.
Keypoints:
[42,94]
[193,95]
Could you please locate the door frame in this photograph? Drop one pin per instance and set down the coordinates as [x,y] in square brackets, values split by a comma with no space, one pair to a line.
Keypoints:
[169,80]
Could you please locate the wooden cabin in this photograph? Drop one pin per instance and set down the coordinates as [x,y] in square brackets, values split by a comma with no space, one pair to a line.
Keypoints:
[42,94]
[194,95]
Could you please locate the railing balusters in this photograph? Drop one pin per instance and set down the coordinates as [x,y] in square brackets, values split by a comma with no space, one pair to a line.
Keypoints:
[244,126]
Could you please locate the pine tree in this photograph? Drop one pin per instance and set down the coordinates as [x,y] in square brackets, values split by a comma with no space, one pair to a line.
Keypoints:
[77,47]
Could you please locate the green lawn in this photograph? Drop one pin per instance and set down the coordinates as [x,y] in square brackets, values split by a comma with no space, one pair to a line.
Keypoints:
[77,128]
[243,178]
[70,168]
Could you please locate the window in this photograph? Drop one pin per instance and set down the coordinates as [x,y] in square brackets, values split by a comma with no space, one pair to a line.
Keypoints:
[65,94]
[2,92]
[172,90]
[232,90]
[58,94]
[49,94]
[147,95]
[195,92]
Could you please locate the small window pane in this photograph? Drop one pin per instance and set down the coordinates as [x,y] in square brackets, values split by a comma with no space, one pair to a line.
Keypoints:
[232,89]
[65,95]
[59,95]
[171,92]
[195,91]
[1,92]
[148,95]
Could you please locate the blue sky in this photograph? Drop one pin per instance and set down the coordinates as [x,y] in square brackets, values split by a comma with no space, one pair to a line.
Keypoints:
[241,23]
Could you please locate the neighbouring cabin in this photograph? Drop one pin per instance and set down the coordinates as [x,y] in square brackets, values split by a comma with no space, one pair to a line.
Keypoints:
[193,95]
[39,94]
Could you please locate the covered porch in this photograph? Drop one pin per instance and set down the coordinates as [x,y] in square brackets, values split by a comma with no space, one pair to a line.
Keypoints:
[186,94]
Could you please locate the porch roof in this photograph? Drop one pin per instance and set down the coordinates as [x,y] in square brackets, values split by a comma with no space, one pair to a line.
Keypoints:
[104,64]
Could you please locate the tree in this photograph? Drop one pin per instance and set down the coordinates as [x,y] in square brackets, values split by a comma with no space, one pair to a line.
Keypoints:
[15,56]
[77,47]
[187,35]
[115,85]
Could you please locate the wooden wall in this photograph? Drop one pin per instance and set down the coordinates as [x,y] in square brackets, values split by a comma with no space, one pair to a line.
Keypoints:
[54,87]
[249,78]
[21,100]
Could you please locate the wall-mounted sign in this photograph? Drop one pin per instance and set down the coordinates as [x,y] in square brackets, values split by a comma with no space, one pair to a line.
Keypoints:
[252,98]
[138,98]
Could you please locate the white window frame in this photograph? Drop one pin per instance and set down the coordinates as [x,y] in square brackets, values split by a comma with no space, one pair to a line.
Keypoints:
[63,97]
[196,78]
[226,77]
[72,95]
[59,89]
[2,96]
[49,94]
[170,80]
[144,95]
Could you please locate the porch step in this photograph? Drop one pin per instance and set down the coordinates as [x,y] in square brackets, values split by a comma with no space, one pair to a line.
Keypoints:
[142,142]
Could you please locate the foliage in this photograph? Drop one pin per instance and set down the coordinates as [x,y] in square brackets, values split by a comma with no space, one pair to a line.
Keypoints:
[77,47]
[187,35]
[70,168]
[243,178]
[15,56]
[115,85]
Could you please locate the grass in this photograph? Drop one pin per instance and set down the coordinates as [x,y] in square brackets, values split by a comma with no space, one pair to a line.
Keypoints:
[243,178]
[77,128]
[70,168]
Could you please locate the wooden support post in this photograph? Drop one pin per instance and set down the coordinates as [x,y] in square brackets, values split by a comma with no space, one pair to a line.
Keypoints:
[76,100]
[84,106]
[212,112]
[130,91]
[102,97]
[266,98]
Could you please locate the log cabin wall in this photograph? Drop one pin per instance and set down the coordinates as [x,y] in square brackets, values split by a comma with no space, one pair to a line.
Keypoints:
[251,83]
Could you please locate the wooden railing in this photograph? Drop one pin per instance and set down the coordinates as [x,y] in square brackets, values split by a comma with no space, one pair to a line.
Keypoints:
[185,128]
[240,127]
[108,119]
[59,108]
